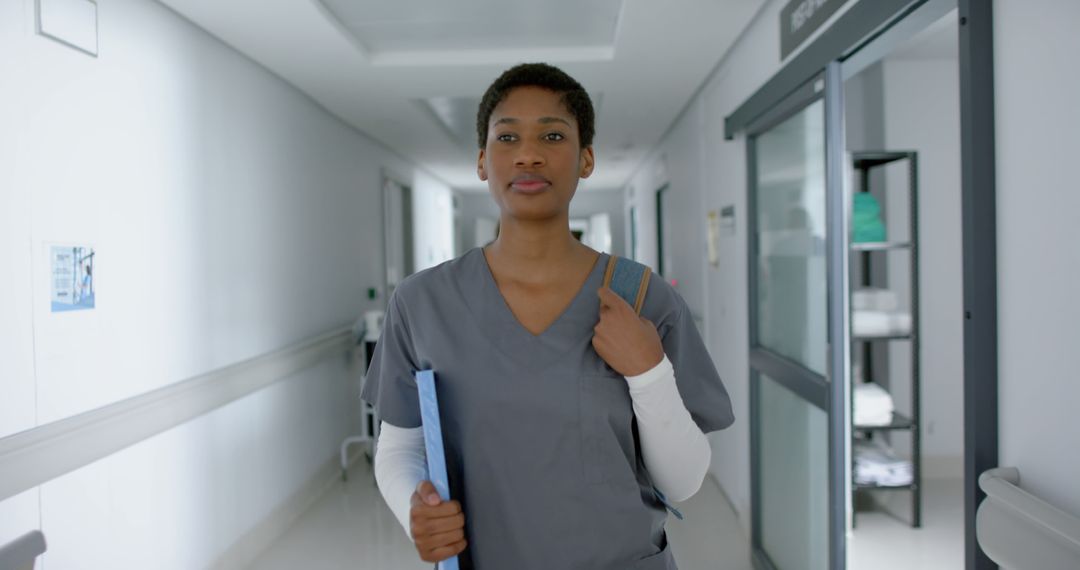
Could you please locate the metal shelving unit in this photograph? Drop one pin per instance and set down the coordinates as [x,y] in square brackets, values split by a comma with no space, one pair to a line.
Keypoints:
[864,163]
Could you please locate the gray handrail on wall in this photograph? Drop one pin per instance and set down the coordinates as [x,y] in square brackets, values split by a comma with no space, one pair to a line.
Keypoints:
[37,455]
[21,553]
[1018,530]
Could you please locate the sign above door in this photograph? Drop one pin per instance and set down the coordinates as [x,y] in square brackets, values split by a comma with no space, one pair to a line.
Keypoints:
[800,19]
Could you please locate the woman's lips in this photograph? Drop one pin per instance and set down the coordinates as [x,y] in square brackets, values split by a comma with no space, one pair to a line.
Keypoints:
[529,184]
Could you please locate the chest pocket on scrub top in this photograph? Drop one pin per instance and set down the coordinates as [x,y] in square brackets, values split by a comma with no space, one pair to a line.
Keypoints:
[607,439]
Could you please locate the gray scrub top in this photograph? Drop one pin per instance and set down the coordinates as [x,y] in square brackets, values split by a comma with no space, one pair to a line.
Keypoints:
[542,447]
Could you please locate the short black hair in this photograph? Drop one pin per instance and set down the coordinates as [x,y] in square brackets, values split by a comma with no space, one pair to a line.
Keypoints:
[547,77]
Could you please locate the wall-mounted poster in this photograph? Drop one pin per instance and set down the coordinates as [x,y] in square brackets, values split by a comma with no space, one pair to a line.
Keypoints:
[713,238]
[72,278]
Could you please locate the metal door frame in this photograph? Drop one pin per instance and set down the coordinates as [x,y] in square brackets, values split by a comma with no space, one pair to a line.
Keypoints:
[830,395]
[865,21]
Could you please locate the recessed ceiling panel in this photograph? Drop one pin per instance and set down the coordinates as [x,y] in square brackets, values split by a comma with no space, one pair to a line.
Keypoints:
[406,26]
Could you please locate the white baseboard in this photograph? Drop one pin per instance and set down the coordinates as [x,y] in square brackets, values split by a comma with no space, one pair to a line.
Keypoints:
[258,538]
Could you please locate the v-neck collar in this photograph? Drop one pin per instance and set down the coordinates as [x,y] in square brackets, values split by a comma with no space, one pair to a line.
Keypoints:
[494,317]
[490,277]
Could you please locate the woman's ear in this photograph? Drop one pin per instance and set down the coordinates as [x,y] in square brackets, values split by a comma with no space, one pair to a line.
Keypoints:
[587,162]
[480,170]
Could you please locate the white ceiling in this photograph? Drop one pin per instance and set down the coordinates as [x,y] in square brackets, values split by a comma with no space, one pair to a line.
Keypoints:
[409,73]
[426,26]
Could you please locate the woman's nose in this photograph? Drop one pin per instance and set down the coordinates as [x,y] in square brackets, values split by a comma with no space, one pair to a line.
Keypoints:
[529,155]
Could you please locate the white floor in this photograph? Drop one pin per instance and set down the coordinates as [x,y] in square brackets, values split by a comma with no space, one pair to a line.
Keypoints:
[351,527]
[883,541]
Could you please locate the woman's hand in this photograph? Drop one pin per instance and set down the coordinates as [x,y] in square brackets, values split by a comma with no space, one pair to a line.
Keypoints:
[627,342]
[437,526]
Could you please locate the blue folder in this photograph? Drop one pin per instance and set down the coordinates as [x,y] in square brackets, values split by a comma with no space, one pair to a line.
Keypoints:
[433,443]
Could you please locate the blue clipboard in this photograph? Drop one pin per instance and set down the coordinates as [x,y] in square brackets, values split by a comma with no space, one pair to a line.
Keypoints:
[433,444]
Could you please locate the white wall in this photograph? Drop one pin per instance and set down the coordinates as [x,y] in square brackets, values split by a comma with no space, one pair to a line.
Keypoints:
[1037,90]
[231,216]
[678,166]
[922,113]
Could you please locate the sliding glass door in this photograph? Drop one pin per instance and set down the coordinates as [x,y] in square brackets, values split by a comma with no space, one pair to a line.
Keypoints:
[798,331]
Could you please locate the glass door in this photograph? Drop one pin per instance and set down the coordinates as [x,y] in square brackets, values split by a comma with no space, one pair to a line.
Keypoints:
[799,370]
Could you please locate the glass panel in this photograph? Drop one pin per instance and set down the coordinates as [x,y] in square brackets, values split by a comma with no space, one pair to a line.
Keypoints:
[790,196]
[794,477]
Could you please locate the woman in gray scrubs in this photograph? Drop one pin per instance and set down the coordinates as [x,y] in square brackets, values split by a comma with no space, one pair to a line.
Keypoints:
[535,363]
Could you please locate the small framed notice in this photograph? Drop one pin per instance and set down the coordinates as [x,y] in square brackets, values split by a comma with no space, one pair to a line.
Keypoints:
[73,23]
[71,278]
[713,237]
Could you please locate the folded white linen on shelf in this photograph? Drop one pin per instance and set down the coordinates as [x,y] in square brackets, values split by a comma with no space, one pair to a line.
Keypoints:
[876,464]
[873,405]
[874,299]
[880,323]
[901,323]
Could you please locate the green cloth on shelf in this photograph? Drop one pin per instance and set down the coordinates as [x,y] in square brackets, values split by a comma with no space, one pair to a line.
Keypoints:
[866,224]
[866,206]
[875,233]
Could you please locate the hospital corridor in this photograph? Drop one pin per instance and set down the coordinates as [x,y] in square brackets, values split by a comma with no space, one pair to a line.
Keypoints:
[547,285]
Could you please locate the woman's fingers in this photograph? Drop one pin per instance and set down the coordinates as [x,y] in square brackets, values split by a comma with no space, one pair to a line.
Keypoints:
[428,494]
[433,526]
[438,530]
[442,545]
[444,552]
[611,300]
[443,539]
[629,343]
[420,508]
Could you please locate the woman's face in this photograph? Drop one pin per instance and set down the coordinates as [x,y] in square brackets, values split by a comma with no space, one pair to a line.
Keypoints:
[533,158]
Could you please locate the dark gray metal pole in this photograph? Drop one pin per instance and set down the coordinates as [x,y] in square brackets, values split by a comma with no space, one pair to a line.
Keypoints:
[836,200]
[979,207]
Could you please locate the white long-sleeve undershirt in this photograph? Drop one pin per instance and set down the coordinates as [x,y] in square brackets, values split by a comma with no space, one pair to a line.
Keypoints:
[400,465]
[674,449]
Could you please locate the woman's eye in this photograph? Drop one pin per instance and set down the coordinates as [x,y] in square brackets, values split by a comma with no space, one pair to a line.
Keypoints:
[554,136]
[505,137]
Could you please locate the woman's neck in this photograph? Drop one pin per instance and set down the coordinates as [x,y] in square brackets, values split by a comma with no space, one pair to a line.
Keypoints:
[536,247]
